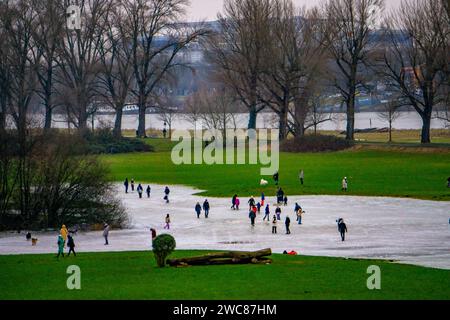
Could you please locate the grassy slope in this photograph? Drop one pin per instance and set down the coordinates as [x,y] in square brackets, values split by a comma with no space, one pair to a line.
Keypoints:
[133,275]
[370,172]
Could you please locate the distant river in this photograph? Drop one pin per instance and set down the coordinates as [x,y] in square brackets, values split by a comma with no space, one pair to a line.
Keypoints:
[364,120]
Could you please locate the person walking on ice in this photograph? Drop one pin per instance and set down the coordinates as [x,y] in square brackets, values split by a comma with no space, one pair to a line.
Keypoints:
[342,227]
[126,185]
[198,210]
[287,222]
[233,202]
[106,233]
[301,176]
[206,208]
[71,245]
[267,213]
[344,184]
[274,224]
[140,190]
[167,226]
[278,213]
[149,190]
[60,246]
[132,185]
[263,199]
[166,194]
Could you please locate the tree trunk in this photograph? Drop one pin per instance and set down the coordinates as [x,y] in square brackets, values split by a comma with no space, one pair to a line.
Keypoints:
[350,134]
[390,131]
[142,108]
[252,118]
[48,117]
[222,257]
[426,119]
[117,132]
[283,123]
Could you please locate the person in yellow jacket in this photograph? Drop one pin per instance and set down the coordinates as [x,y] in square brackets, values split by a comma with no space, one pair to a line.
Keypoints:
[64,232]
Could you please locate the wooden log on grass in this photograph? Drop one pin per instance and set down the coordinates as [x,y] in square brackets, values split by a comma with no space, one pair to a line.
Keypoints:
[229,257]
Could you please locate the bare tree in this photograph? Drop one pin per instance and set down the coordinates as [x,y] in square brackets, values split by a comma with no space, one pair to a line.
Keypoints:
[294,58]
[351,23]
[46,37]
[156,39]
[116,76]
[316,115]
[389,112]
[416,60]
[167,108]
[237,50]
[79,59]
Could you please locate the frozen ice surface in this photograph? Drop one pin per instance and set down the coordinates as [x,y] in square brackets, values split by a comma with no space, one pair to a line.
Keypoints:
[405,230]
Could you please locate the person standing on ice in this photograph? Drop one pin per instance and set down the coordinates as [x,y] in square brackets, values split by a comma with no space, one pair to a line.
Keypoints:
[258,206]
[132,184]
[166,192]
[148,191]
[345,184]
[252,216]
[140,190]
[153,232]
[198,210]
[267,213]
[299,216]
[342,227]
[251,202]
[126,185]
[263,198]
[206,208]
[274,224]
[287,222]
[60,246]
[71,245]
[106,233]
[167,226]
[237,203]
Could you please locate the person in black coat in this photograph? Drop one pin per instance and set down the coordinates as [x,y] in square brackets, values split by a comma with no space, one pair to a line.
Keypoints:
[71,245]
[198,210]
[252,216]
[276,177]
[288,223]
[251,202]
[166,192]
[148,191]
[126,185]
[280,195]
[206,208]
[342,227]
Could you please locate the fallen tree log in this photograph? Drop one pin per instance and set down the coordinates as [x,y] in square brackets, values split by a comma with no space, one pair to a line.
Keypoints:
[229,257]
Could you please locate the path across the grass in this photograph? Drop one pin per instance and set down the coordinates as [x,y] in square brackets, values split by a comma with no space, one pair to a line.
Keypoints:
[405,230]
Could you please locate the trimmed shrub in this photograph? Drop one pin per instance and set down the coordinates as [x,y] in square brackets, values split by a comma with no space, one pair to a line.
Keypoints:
[315,143]
[163,245]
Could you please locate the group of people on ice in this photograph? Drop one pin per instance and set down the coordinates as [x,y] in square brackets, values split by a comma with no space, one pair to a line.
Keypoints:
[140,190]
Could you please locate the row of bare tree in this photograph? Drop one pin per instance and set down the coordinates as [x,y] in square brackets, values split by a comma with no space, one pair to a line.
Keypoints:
[266,54]
[124,50]
[270,54]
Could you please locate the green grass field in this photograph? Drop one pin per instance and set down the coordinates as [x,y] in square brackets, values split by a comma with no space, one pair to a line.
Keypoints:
[378,172]
[134,275]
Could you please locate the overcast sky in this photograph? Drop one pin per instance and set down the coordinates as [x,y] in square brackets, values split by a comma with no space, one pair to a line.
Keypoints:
[207,9]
